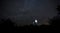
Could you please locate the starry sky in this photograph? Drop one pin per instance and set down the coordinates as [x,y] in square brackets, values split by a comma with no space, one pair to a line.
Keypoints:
[23,12]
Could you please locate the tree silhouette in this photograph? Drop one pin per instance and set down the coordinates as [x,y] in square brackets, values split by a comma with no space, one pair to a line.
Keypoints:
[58,8]
[55,23]
[7,25]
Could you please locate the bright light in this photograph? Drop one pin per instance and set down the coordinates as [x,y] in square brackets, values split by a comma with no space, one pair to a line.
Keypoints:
[36,21]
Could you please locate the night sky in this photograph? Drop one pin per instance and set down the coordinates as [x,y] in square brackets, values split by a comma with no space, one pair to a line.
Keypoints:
[23,12]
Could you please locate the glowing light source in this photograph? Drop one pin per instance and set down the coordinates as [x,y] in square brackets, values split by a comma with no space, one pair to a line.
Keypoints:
[36,21]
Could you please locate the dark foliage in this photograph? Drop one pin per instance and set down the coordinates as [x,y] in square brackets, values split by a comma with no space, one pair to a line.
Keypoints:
[58,8]
[7,26]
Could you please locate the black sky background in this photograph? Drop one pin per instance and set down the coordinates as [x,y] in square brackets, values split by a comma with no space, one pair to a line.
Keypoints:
[28,10]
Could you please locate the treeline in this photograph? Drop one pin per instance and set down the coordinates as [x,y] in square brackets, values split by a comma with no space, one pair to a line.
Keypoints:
[8,26]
